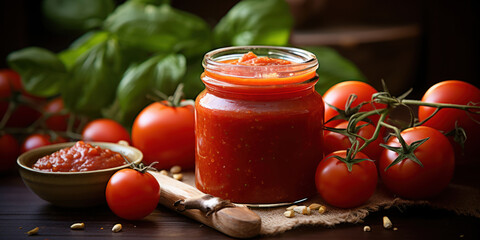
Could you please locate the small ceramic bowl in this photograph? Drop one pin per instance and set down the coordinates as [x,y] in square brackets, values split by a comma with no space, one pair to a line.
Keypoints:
[71,189]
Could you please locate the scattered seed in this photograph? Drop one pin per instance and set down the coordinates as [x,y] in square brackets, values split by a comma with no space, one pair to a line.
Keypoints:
[164,172]
[322,209]
[314,206]
[367,229]
[175,169]
[33,231]
[178,176]
[387,223]
[117,228]
[77,226]
[302,210]
[395,229]
[289,214]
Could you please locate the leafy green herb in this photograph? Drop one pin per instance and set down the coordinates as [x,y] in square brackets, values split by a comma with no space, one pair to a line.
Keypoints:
[161,72]
[251,22]
[81,46]
[333,68]
[76,15]
[193,84]
[159,29]
[94,79]
[42,71]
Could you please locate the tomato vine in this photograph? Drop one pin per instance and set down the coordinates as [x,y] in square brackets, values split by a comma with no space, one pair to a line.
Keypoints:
[405,151]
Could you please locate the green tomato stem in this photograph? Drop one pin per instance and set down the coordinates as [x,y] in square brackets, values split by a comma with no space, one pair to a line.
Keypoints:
[376,133]
[442,105]
[397,134]
[11,107]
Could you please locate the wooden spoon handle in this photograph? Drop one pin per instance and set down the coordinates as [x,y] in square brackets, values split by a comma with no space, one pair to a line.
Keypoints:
[239,222]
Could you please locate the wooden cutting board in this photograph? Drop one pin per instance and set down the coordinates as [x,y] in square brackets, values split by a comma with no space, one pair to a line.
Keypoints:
[238,221]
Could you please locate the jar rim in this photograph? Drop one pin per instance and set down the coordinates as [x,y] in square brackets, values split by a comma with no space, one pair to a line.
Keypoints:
[302,63]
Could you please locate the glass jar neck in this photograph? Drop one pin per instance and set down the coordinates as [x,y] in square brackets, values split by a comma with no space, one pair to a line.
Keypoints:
[298,75]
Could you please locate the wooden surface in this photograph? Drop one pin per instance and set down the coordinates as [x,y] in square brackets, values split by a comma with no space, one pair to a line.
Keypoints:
[21,210]
[239,222]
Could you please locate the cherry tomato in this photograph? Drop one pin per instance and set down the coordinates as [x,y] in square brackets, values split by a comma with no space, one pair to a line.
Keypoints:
[455,92]
[335,141]
[22,115]
[6,87]
[342,188]
[56,122]
[9,151]
[10,82]
[105,130]
[338,95]
[165,135]
[131,194]
[15,82]
[39,140]
[410,180]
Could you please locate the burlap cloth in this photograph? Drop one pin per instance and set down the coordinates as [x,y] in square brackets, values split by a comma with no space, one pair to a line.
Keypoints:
[460,199]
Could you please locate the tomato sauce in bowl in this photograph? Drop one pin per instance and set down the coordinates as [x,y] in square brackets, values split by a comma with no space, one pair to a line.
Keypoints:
[80,157]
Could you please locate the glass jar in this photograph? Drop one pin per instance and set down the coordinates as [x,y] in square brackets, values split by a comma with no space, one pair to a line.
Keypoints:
[258,128]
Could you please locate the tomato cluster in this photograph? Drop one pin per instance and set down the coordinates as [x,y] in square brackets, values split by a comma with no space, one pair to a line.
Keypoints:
[416,162]
[13,114]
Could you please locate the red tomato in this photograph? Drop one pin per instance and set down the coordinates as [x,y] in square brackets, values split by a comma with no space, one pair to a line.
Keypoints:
[39,140]
[56,122]
[6,87]
[105,130]
[410,180]
[35,141]
[16,82]
[23,115]
[9,150]
[455,92]
[131,194]
[338,95]
[166,135]
[333,141]
[10,82]
[342,188]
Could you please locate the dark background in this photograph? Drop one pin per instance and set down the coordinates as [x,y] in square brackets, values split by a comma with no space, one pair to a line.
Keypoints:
[443,45]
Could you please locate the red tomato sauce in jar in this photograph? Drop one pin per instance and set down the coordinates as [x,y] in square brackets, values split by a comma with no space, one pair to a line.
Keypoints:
[80,157]
[258,126]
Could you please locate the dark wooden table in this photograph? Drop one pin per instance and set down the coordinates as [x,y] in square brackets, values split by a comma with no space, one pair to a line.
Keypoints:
[21,210]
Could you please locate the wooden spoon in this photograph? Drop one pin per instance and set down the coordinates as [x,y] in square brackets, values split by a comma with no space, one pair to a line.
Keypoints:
[239,222]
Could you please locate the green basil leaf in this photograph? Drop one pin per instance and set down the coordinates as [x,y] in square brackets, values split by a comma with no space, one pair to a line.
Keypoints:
[42,71]
[161,72]
[251,22]
[193,85]
[76,14]
[94,79]
[169,72]
[159,29]
[81,46]
[333,68]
